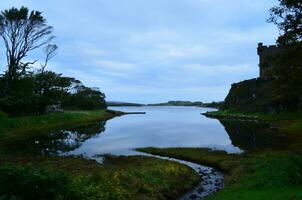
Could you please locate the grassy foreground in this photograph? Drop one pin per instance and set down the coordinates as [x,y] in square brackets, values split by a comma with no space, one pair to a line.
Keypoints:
[275,176]
[120,178]
[10,125]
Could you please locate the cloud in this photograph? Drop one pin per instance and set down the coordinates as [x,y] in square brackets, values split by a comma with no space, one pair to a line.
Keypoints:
[154,50]
[115,65]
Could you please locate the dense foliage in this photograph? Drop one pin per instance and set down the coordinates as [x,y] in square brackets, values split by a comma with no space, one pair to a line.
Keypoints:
[28,182]
[31,94]
[26,91]
[287,70]
[288,17]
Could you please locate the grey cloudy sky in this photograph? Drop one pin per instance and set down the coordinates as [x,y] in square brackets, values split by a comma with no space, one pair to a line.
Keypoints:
[156,50]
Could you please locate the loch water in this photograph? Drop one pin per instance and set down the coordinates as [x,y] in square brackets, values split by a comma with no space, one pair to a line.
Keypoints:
[160,127]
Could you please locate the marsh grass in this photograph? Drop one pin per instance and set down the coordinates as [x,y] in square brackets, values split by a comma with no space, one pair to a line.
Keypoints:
[120,178]
[262,175]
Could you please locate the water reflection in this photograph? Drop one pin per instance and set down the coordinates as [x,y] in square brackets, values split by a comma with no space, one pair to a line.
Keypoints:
[161,127]
[250,136]
[55,141]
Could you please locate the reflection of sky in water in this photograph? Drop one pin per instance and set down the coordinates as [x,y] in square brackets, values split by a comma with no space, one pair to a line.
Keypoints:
[160,127]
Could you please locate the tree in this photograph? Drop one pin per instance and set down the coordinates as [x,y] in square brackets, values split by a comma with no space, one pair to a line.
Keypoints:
[51,87]
[86,99]
[288,17]
[288,63]
[50,52]
[22,31]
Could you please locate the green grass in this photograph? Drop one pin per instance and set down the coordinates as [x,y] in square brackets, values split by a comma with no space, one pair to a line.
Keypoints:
[120,178]
[39,122]
[268,177]
[230,164]
[220,159]
[259,116]
[250,177]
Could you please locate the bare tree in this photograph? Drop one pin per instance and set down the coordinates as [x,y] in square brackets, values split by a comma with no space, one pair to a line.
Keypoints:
[50,51]
[22,31]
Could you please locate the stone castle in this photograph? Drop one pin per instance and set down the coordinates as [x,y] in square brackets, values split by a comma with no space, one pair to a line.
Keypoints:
[266,56]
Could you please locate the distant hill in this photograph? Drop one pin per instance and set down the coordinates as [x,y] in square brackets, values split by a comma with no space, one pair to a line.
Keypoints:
[214,104]
[117,103]
[189,103]
[177,103]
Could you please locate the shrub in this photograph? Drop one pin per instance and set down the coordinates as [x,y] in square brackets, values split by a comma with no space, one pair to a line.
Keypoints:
[3,115]
[18,182]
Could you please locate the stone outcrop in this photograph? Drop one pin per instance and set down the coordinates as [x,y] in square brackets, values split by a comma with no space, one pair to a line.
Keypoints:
[257,95]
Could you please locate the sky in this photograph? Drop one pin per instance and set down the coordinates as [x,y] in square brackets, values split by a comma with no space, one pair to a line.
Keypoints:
[150,51]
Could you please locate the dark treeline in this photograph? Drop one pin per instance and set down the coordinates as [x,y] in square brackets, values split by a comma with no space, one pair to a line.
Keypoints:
[25,89]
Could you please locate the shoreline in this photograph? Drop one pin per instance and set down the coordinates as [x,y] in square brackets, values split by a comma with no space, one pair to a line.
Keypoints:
[17,125]
[261,174]
[233,115]
[211,180]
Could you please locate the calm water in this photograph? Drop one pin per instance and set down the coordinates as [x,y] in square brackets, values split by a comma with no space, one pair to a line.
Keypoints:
[160,127]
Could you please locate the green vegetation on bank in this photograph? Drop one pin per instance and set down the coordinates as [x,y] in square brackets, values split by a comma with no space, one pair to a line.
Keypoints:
[119,178]
[268,175]
[229,114]
[40,122]
[218,159]
[287,124]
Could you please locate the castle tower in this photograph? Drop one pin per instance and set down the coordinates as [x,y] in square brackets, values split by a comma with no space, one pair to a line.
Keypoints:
[266,56]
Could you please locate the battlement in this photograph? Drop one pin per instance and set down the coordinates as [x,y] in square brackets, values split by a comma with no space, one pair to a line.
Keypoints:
[267,50]
[266,56]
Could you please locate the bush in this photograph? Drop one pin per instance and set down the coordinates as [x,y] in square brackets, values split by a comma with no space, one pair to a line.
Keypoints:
[2,116]
[18,182]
